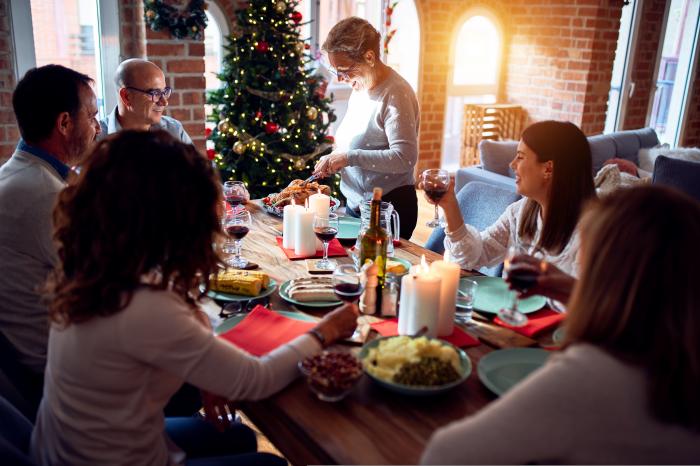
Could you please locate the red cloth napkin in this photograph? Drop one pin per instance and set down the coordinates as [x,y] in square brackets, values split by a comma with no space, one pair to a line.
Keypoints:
[459,338]
[253,333]
[335,249]
[536,322]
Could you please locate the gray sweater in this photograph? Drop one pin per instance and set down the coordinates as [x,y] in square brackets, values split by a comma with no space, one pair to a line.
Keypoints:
[583,407]
[380,135]
[28,190]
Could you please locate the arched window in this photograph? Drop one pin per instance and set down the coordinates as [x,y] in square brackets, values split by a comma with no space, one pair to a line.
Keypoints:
[403,53]
[214,41]
[473,77]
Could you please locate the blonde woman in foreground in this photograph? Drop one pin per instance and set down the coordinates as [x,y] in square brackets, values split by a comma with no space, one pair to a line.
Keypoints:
[624,390]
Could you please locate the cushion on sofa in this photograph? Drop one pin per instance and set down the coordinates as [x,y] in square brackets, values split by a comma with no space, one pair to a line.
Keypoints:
[627,145]
[497,155]
[602,148]
[647,157]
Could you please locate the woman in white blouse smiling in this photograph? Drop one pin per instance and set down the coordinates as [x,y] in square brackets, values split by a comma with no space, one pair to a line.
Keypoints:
[553,172]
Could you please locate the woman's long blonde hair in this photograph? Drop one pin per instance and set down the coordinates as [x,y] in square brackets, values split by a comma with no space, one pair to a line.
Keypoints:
[638,296]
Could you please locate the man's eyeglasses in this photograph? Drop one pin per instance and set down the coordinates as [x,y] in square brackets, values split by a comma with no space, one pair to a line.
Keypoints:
[154,94]
[341,74]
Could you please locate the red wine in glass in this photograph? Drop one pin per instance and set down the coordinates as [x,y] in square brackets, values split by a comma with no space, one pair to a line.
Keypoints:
[436,193]
[326,233]
[235,200]
[348,292]
[522,277]
[237,231]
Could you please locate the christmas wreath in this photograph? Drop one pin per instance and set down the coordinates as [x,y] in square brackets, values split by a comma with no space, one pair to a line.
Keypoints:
[188,22]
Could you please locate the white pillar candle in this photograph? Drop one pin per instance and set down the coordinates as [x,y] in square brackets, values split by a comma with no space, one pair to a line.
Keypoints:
[449,275]
[426,304]
[420,301]
[320,204]
[289,214]
[405,299]
[304,238]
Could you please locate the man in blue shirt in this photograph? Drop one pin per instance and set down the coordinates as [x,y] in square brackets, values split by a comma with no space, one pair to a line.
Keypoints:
[56,112]
[143,97]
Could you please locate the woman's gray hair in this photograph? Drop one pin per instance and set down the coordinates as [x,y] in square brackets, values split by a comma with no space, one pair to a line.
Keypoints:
[353,36]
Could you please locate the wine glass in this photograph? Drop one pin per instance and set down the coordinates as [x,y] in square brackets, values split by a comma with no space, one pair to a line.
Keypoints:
[435,184]
[325,228]
[522,276]
[237,225]
[236,193]
[348,282]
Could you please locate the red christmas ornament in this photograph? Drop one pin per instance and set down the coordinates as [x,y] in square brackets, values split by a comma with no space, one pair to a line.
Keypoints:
[330,139]
[258,115]
[296,17]
[262,46]
[211,153]
[271,127]
[307,46]
[207,132]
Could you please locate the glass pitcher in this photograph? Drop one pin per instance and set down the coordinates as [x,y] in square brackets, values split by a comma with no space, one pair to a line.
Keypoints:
[388,219]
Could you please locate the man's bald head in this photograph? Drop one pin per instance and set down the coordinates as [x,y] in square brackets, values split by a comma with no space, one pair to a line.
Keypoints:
[137,79]
[134,71]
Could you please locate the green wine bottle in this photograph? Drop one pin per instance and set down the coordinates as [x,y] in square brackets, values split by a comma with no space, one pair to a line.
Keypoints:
[373,244]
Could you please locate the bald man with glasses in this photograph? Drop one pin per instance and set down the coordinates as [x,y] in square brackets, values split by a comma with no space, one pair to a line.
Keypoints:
[143,97]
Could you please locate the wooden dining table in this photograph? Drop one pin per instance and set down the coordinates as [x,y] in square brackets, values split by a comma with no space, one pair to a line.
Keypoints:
[371,425]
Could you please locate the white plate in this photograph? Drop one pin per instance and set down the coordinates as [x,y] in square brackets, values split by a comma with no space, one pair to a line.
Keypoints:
[500,370]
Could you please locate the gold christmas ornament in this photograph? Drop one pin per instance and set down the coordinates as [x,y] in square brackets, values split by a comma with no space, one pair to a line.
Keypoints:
[299,47]
[239,147]
[223,126]
[299,163]
[280,7]
[311,113]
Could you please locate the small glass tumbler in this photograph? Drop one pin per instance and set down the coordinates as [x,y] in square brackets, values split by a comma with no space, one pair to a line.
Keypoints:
[466,294]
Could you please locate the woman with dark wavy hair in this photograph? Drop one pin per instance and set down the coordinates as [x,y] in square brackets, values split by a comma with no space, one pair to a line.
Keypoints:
[135,236]
[624,390]
[552,169]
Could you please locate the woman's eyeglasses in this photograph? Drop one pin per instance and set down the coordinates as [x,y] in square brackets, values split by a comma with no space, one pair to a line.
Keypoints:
[154,94]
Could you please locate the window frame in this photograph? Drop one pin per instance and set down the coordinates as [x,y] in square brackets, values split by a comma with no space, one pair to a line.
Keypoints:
[108,33]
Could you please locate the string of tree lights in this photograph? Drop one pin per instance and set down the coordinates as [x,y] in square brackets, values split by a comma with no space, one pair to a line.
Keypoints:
[271,114]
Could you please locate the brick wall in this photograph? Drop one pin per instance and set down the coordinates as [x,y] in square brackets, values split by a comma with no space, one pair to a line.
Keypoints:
[560,57]
[557,61]
[644,63]
[8,127]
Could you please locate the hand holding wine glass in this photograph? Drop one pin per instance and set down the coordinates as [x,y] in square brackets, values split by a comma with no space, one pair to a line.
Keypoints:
[521,275]
[325,228]
[435,184]
[237,226]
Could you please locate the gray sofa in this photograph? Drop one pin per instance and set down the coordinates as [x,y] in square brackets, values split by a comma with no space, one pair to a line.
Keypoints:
[497,155]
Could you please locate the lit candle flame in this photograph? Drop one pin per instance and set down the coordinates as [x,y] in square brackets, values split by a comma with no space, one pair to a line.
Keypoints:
[294,203]
[424,264]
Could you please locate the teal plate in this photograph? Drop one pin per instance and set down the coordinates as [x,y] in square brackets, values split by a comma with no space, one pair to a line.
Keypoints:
[502,369]
[493,294]
[349,228]
[221,296]
[417,390]
[283,293]
[232,321]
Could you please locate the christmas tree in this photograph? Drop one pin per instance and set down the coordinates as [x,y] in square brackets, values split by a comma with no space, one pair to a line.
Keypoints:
[271,114]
